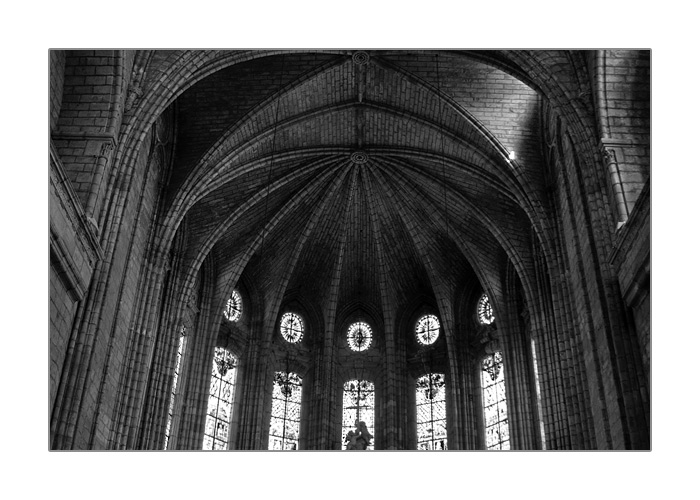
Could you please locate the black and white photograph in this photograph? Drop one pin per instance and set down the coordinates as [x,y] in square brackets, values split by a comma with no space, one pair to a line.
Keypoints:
[326,249]
[304,250]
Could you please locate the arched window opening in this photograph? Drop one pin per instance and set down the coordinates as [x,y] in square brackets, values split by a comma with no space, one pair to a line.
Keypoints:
[234,307]
[493,390]
[182,343]
[427,329]
[539,395]
[431,412]
[358,408]
[484,311]
[286,412]
[291,328]
[359,336]
[221,391]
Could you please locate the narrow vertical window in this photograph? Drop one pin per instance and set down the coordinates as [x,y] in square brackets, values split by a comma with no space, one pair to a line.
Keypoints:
[431,413]
[221,390]
[173,391]
[286,412]
[539,395]
[358,414]
[493,386]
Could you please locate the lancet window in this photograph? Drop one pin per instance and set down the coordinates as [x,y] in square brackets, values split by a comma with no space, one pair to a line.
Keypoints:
[182,343]
[219,408]
[539,394]
[286,412]
[358,406]
[431,412]
[493,388]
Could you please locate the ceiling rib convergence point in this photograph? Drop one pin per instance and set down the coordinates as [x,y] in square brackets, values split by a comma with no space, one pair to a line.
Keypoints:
[350,182]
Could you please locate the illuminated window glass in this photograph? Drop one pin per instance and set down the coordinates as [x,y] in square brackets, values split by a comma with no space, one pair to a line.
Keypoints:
[431,413]
[173,391]
[291,327]
[493,387]
[484,311]
[286,412]
[223,379]
[359,336]
[234,307]
[358,406]
[427,329]
[539,395]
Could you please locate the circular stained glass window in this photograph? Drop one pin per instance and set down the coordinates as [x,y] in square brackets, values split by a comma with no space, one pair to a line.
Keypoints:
[291,327]
[484,311]
[427,329]
[359,336]
[233,309]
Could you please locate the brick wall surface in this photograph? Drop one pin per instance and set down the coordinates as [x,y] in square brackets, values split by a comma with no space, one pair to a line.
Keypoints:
[57,63]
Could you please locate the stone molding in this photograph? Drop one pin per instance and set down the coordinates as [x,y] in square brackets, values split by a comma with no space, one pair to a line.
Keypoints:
[70,205]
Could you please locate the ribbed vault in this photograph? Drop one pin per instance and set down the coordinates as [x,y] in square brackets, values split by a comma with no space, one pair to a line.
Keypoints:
[268,177]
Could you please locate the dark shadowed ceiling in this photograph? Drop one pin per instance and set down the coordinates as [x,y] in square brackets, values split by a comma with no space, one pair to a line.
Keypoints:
[358,178]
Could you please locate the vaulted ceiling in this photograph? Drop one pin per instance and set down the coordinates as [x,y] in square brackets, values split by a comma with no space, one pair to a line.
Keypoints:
[369,178]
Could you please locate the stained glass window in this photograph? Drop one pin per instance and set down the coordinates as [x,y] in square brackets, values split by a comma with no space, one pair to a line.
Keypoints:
[484,311]
[291,327]
[431,413]
[539,395]
[234,307]
[221,390]
[358,405]
[286,411]
[173,391]
[493,387]
[359,336]
[427,329]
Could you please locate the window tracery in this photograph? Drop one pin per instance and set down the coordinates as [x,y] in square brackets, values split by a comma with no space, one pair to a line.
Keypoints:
[359,336]
[286,412]
[234,307]
[219,408]
[539,394]
[493,389]
[291,328]
[427,329]
[431,412]
[173,391]
[358,406]
[484,311]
